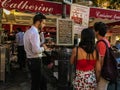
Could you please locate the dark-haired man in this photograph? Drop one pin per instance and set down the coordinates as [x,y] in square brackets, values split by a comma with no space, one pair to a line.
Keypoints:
[34,52]
[100,31]
[20,48]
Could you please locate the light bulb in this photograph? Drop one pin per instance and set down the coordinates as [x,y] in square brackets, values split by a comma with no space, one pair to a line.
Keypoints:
[6,11]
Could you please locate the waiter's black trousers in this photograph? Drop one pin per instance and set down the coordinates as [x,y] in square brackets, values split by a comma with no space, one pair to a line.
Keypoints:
[38,81]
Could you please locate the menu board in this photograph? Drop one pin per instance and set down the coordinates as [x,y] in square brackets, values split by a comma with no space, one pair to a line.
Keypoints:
[65,32]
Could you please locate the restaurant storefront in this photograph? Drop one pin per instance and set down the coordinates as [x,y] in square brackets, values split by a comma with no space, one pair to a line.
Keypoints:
[20,15]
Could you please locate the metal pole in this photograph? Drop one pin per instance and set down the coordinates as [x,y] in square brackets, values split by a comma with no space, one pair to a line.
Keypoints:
[1,12]
[11,28]
[63,10]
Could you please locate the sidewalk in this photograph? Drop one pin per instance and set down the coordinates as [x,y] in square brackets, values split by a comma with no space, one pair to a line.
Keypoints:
[112,86]
[19,80]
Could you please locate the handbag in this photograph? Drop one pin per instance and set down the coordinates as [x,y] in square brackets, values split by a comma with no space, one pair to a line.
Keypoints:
[75,63]
[73,71]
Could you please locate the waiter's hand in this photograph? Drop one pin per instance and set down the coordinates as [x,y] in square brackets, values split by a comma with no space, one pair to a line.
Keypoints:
[45,47]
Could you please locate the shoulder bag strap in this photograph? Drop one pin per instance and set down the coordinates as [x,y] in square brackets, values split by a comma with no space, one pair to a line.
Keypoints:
[104,42]
[76,59]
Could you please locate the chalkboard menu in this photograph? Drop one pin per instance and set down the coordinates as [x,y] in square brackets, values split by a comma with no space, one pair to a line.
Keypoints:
[65,32]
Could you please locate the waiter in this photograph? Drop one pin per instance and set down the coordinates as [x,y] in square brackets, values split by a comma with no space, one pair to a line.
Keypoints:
[34,52]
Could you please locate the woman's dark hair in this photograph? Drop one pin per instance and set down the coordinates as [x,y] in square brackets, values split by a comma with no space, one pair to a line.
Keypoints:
[101,28]
[38,17]
[87,40]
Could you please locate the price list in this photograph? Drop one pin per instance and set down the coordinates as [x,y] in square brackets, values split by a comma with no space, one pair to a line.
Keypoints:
[64,32]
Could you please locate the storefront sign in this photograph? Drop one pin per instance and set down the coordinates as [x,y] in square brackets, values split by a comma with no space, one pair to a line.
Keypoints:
[34,6]
[80,15]
[65,32]
[115,30]
[104,13]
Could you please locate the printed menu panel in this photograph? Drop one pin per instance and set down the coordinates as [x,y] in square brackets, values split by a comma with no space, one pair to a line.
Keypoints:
[65,32]
[80,15]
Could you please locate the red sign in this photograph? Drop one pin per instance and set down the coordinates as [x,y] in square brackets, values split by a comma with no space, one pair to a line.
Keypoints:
[115,30]
[34,6]
[104,13]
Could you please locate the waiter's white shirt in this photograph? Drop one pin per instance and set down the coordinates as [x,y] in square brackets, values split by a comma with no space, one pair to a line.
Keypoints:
[32,43]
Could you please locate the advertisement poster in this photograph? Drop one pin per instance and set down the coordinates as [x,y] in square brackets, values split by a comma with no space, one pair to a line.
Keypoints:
[80,15]
[77,29]
[65,32]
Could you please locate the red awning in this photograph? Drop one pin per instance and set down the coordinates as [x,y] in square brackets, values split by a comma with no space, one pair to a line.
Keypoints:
[34,6]
[114,23]
[115,30]
[7,27]
[104,13]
